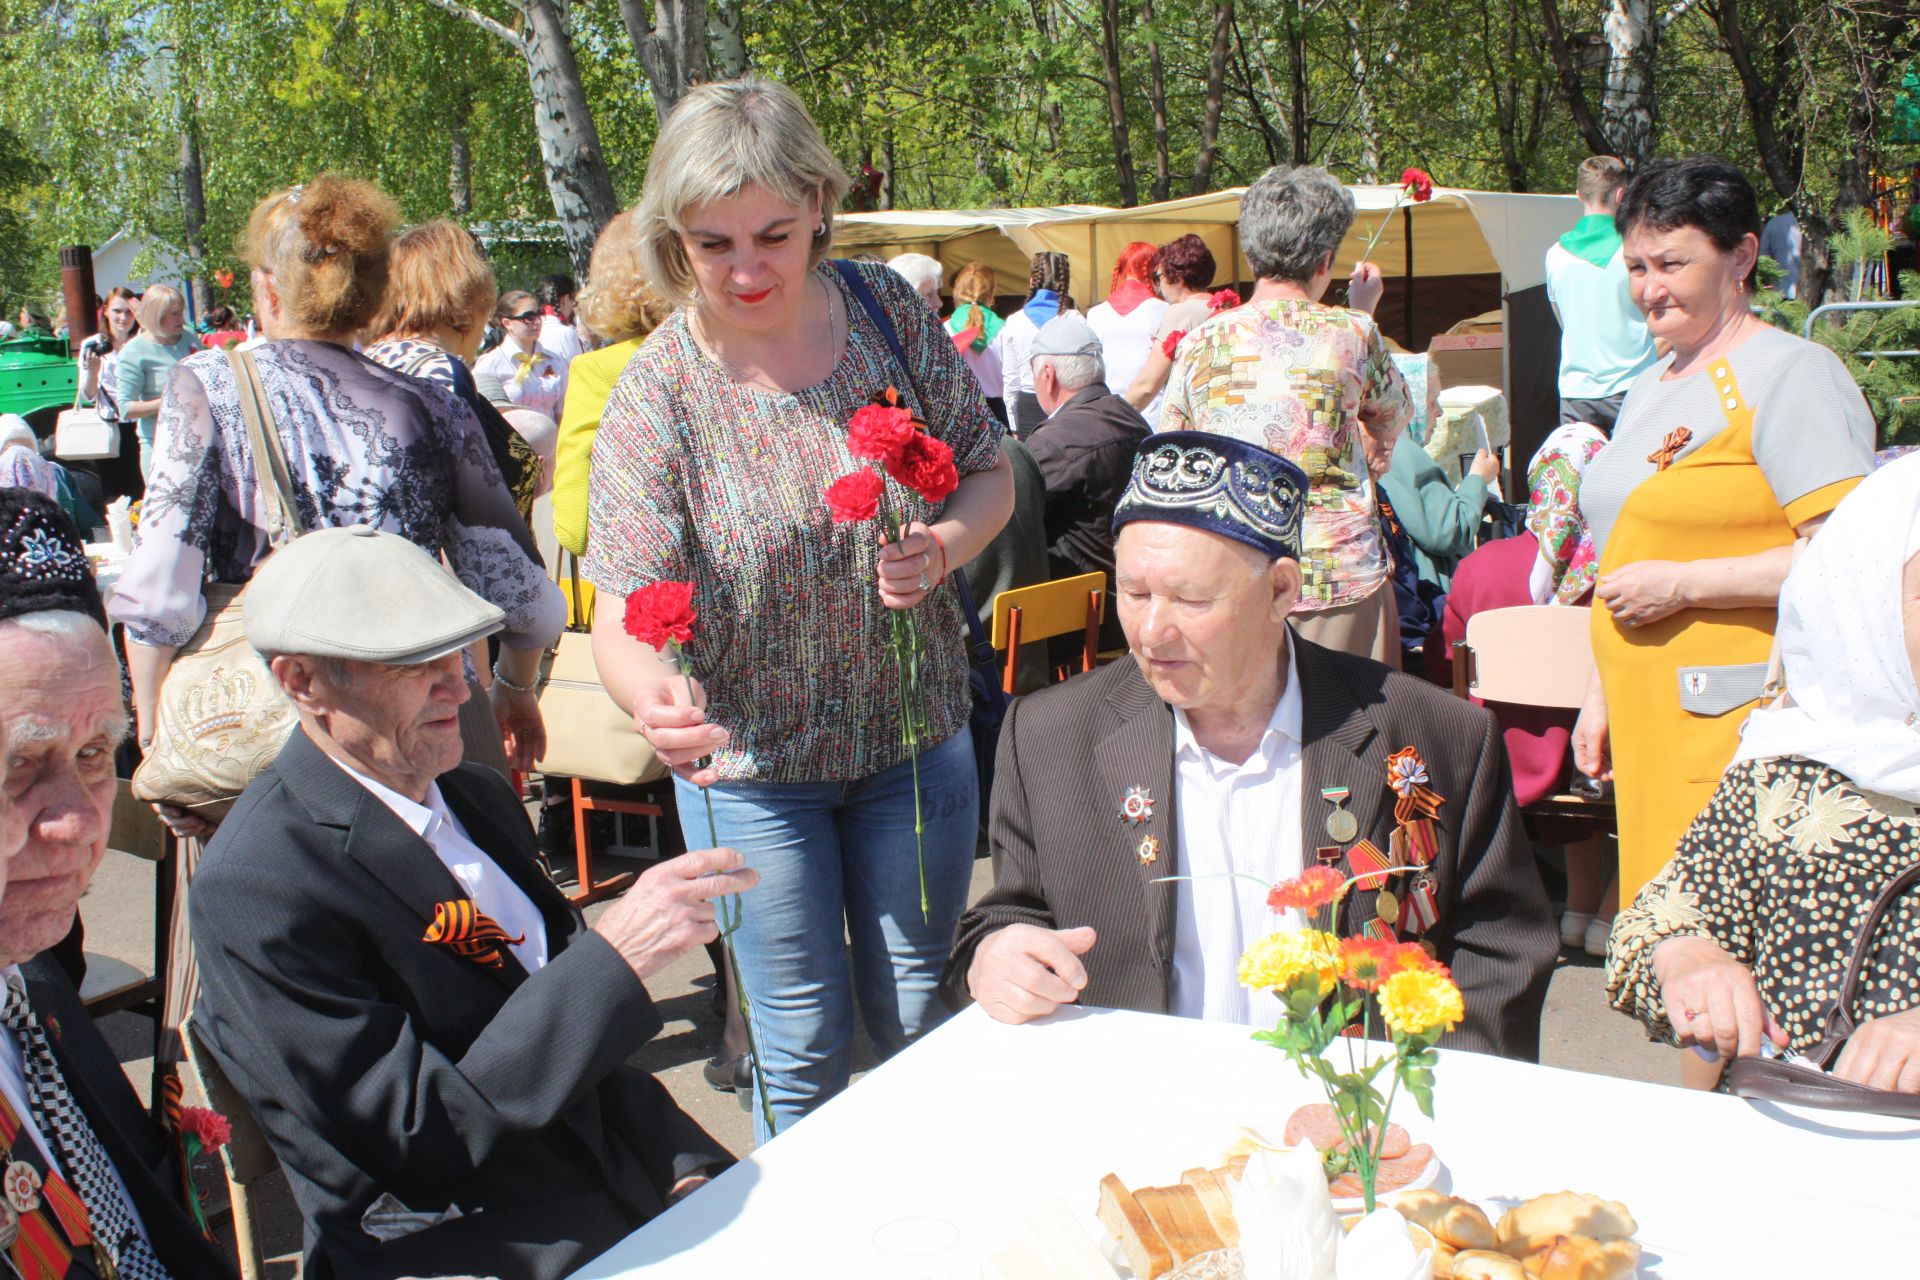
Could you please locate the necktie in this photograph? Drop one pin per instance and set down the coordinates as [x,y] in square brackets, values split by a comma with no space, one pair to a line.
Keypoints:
[65,1126]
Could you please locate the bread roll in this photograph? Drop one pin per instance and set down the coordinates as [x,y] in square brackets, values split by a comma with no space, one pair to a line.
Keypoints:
[1453,1221]
[1182,1222]
[1121,1214]
[1584,1258]
[1442,1260]
[1480,1264]
[1217,1201]
[1532,1226]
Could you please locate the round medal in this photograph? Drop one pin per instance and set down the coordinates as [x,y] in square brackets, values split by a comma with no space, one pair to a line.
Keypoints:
[1387,907]
[1342,826]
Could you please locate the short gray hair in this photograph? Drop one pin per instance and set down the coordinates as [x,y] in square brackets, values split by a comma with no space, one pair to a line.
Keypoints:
[1291,219]
[722,138]
[64,624]
[1074,372]
[917,269]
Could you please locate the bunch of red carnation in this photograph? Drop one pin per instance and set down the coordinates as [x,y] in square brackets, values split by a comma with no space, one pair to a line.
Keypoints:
[887,433]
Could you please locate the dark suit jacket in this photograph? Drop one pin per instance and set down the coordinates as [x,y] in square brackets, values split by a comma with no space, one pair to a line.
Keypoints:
[146,1159]
[1063,858]
[377,1062]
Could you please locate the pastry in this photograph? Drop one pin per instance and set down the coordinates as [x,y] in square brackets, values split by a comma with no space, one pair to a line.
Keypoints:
[1177,1214]
[1480,1264]
[1532,1226]
[1584,1258]
[1217,1201]
[1121,1214]
[1443,1255]
[1455,1222]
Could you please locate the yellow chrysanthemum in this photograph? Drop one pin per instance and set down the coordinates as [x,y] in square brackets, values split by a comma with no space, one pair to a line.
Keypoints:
[1273,963]
[1417,1001]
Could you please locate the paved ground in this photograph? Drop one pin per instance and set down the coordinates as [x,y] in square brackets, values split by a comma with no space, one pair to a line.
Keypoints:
[1580,1033]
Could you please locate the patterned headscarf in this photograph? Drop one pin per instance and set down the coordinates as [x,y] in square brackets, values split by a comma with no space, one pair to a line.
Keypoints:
[1566,566]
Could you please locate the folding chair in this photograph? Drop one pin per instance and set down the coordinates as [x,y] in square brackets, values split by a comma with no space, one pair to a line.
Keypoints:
[113,985]
[246,1158]
[1049,609]
[1533,656]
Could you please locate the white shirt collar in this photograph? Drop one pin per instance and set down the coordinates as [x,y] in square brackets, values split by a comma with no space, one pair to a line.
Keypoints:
[417,816]
[1284,722]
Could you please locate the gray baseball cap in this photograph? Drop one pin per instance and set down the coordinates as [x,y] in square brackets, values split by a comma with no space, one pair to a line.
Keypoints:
[365,595]
[1066,335]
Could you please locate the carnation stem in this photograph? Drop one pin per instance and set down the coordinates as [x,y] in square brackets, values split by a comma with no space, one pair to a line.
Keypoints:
[906,646]
[1379,231]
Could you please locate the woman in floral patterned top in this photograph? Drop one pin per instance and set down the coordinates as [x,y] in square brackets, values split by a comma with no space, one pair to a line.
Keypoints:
[1314,384]
[710,467]
[1745,937]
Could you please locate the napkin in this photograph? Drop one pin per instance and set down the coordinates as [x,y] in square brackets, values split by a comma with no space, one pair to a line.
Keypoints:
[1288,1230]
[1380,1248]
[120,522]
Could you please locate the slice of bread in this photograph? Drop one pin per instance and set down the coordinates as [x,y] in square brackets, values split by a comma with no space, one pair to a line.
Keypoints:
[1147,1254]
[1217,1201]
[1176,1212]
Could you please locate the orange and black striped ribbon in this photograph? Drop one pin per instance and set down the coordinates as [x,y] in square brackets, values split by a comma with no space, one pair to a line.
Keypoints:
[1677,439]
[470,932]
[38,1250]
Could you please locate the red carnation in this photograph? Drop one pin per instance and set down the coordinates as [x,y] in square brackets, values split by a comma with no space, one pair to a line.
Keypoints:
[1172,342]
[1417,183]
[209,1128]
[926,466]
[223,278]
[879,432]
[855,496]
[1223,300]
[660,612]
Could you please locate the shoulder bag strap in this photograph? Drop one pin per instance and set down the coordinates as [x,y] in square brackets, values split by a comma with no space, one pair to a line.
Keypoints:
[982,646]
[269,460]
[581,621]
[1840,1015]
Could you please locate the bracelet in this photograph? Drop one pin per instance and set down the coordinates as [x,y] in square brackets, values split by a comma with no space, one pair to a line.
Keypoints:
[941,543]
[505,683]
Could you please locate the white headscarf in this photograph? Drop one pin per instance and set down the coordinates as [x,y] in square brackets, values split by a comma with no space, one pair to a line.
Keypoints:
[1851,703]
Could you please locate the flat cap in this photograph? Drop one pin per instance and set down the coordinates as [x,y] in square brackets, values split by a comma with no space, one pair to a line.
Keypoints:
[1066,335]
[365,595]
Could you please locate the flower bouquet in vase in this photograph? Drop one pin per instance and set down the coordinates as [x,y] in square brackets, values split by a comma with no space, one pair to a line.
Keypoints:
[1330,991]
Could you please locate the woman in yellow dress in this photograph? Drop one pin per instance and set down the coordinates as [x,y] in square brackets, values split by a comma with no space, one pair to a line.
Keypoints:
[1741,439]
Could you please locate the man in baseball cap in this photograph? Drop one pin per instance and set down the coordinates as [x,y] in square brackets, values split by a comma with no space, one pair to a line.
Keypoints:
[432,1038]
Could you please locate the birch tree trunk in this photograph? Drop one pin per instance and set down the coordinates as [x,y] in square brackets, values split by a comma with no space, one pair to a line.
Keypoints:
[1627,106]
[671,47]
[726,39]
[1365,120]
[570,154]
[193,208]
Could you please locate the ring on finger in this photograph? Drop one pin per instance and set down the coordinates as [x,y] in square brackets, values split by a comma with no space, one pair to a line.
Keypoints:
[924,584]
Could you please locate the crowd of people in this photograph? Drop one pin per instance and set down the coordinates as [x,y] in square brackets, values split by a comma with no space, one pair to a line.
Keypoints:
[437,1044]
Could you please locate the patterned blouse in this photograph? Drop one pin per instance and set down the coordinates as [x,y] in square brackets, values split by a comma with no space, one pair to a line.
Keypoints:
[1302,379]
[364,445]
[1780,869]
[698,477]
[519,465]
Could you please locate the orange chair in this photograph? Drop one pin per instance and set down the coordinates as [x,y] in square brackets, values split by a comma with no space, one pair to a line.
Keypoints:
[1049,609]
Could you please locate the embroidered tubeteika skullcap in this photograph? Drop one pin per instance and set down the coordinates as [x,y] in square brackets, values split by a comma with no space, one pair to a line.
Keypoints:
[1220,484]
[43,562]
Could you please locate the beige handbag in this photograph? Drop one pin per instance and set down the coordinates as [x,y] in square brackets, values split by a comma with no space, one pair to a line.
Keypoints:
[588,735]
[221,718]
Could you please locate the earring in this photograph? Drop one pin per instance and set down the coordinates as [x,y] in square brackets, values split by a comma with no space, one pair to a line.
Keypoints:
[821,229]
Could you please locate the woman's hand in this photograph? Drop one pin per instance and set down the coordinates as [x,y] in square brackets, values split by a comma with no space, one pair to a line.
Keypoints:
[1712,999]
[673,720]
[1486,465]
[185,823]
[1365,287]
[1884,1053]
[910,568]
[1592,753]
[522,728]
[1644,591]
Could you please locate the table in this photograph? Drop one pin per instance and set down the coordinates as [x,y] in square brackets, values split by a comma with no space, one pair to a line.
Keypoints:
[981,1123]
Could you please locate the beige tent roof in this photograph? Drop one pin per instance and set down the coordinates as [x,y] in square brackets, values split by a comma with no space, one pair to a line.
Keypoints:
[1456,233]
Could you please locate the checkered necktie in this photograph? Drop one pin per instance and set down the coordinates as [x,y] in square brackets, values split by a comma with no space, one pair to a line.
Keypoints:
[62,1122]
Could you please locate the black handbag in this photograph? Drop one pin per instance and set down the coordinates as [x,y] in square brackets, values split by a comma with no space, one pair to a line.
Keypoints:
[989,699]
[1777,1080]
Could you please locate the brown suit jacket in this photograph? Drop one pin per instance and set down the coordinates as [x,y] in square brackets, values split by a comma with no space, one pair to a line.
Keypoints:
[1062,857]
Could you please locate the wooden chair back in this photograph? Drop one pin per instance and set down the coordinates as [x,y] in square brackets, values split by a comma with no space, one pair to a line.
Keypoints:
[1049,609]
[1527,655]
[246,1158]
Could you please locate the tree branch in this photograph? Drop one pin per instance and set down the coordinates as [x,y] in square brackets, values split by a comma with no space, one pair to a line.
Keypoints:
[482,21]
[1676,13]
[1570,86]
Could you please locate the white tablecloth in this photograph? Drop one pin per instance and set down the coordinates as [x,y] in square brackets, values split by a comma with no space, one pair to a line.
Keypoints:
[981,1123]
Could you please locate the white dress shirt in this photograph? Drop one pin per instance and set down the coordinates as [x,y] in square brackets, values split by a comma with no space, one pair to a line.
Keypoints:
[1234,820]
[13,1083]
[540,385]
[492,890]
[561,338]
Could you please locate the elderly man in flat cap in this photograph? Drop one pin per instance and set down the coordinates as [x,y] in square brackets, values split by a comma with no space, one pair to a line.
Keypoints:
[434,1042]
[93,1185]
[1141,812]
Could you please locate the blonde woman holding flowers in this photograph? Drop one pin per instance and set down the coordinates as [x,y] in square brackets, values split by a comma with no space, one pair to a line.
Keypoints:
[710,467]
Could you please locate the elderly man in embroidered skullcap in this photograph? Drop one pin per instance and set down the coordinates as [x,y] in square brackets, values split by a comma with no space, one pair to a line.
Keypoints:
[432,1038]
[92,1185]
[1140,812]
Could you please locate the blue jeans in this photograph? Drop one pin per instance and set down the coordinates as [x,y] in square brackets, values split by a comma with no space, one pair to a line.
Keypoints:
[836,861]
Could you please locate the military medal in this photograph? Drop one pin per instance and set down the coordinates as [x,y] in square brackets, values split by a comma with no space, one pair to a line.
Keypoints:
[1387,907]
[1366,862]
[1149,851]
[1329,855]
[1137,806]
[103,1262]
[22,1186]
[1342,826]
[1423,905]
[9,1226]
[1407,777]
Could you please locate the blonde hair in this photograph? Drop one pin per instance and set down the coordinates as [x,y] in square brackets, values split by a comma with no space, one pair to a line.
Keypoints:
[618,303]
[974,284]
[721,139]
[327,245]
[437,279]
[154,303]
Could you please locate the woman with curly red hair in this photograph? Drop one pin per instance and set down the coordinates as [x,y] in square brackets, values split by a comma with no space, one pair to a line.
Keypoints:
[1127,321]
